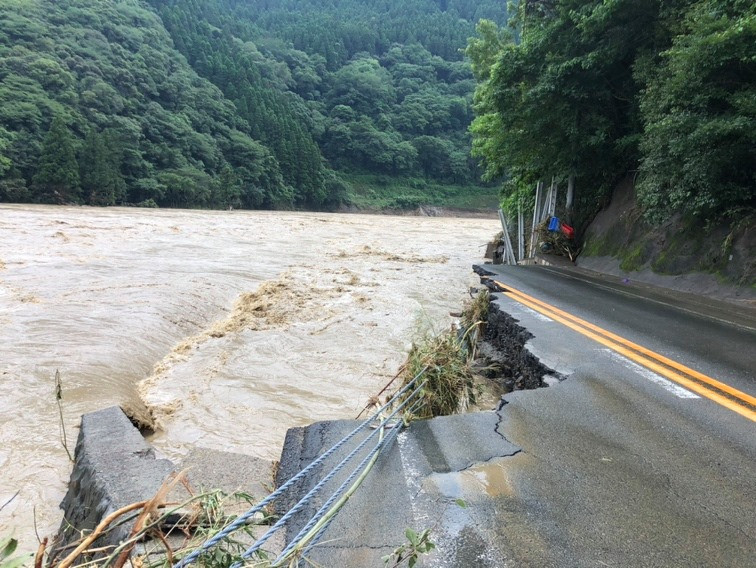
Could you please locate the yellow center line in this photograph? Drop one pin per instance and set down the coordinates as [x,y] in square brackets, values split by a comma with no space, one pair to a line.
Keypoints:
[664,360]
[643,356]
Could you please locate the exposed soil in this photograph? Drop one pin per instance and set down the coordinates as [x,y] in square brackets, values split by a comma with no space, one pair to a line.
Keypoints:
[714,260]
[504,358]
[424,211]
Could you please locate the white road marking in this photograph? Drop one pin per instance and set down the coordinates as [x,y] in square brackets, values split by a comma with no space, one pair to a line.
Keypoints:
[518,307]
[668,385]
[630,294]
[412,478]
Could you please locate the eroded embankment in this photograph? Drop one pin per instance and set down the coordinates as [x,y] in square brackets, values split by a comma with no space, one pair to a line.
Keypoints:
[503,347]
[442,452]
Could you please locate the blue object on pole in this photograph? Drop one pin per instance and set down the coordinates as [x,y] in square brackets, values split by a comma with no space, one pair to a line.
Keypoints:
[554,225]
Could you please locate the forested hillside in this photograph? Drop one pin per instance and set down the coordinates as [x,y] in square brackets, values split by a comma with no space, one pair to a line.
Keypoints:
[664,91]
[218,103]
[96,106]
[376,87]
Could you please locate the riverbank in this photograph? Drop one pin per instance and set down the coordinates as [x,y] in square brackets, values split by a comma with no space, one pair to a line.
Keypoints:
[111,450]
[504,466]
[386,193]
[425,211]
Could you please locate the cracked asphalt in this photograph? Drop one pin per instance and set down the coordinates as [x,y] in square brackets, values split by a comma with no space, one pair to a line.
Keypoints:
[614,466]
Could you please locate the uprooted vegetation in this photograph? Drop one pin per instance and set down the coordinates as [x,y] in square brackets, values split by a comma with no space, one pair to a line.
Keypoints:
[486,353]
[447,379]
[163,532]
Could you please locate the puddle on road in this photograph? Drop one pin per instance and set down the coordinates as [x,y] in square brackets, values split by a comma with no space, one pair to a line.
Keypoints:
[489,479]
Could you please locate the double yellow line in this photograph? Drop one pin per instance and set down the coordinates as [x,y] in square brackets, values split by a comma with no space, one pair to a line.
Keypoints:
[723,394]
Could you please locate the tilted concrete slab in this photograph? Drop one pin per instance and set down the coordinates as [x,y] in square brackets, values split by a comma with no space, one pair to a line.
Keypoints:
[114,467]
[209,470]
[415,484]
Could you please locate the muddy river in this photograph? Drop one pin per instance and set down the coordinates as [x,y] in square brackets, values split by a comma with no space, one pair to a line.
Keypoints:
[224,328]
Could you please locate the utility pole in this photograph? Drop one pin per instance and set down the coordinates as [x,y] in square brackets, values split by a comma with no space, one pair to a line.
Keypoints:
[536,219]
[570,197]
[553,202]
[546,211]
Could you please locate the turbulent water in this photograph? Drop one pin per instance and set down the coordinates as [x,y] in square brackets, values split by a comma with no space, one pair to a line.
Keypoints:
[223,328]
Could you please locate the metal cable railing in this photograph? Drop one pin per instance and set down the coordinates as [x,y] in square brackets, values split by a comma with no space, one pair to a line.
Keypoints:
[415,385]
[317,535]
[316,489]
[319,521]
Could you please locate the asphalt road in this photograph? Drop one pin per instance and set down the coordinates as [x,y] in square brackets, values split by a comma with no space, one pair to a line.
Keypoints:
[643,456]
[621,466]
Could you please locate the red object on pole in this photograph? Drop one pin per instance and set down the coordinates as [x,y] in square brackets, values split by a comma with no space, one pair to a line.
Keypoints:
[568,231]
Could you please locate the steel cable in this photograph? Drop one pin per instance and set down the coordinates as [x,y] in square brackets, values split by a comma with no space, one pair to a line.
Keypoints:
[242,519]
[310,494]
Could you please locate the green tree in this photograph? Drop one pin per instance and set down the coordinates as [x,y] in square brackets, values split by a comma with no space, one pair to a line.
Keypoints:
[699,111]
[5,142]
[564,101]
[364,86]
[433,154]
[57,178]
[276,75]
[101,179]
[228,191]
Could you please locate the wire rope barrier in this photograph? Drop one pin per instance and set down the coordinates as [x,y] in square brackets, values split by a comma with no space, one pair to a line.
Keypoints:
[336,469]
[322,518]
[413,387]
[316,532]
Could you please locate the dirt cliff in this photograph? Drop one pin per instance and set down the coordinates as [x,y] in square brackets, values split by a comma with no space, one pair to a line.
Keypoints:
[715,259]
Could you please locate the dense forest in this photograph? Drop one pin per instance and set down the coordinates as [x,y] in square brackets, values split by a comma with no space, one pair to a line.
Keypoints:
[593,90]
[230,103]
[280,104]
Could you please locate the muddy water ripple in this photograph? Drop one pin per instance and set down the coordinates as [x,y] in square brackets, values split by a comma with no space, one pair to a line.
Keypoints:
[225,328]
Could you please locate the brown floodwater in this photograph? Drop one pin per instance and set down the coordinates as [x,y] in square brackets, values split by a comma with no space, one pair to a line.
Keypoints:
[226,328]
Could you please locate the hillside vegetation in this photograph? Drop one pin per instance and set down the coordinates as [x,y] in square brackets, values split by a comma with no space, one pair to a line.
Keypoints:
[218,103]
[663,90]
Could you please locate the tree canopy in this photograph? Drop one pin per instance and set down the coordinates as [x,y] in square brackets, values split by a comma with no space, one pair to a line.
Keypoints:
[599,89]
[217,103]
[100,82]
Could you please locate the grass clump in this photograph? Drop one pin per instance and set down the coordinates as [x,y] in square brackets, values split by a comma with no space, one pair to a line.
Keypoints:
[446,363]
[475,315]
[448,380]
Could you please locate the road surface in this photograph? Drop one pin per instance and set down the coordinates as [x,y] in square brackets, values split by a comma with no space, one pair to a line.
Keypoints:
[627,464]
[644,455]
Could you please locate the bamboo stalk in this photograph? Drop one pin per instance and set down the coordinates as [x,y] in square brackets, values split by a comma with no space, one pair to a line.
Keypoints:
[99,529]
[150,507]
[40,556]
